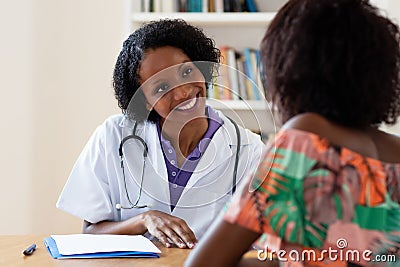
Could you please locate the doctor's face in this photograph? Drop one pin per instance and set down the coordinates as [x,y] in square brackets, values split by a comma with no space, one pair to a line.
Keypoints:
[173,86]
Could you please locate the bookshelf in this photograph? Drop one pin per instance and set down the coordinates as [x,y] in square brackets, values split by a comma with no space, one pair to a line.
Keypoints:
[208,19]
[237,104]
[239,30]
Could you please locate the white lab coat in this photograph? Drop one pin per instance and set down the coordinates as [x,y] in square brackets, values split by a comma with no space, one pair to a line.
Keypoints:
[96,183]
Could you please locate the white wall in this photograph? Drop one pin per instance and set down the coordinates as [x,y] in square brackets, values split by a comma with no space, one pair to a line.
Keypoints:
[390,8]
[57,58]
[16,64]
[56,62]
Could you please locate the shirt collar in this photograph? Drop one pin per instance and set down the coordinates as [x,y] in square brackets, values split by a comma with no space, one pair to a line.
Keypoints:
[214,122]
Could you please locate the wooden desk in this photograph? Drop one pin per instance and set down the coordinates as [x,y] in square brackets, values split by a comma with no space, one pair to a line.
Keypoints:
[11,248]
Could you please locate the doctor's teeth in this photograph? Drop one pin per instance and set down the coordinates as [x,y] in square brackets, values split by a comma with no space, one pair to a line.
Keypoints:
[188,105]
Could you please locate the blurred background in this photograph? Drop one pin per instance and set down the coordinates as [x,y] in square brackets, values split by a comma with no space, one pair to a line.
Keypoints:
[56,64]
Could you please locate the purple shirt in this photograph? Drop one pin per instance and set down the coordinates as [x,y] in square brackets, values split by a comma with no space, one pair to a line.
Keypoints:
[178,178]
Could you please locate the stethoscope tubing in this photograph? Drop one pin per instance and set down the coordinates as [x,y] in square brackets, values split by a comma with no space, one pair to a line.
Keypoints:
[145,151]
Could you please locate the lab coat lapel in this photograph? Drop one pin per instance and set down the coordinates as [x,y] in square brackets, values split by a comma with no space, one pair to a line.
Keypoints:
[209,182]
[155,154]
[218,152]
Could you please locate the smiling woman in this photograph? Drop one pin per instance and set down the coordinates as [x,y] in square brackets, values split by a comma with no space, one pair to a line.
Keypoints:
[176,157]
[175,88]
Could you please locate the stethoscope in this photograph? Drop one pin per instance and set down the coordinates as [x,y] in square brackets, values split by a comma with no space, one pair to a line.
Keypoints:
[145,151]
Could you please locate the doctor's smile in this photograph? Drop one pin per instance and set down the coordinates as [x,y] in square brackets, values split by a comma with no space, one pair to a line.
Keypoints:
[188,106]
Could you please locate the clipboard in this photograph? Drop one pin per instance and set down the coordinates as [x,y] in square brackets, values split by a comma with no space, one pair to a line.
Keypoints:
[82,252]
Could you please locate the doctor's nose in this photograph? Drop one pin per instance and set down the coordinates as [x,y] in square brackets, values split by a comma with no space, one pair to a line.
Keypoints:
[182,92]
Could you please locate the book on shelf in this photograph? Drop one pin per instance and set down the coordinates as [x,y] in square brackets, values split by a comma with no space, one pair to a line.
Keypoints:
[223,82]
[242,78]
[205,4]
[211,6]
[219,5]
[227,5]
[157,5]
[145,6]
[237,6]
[238,77]
[232,67]
[210,90]
[251,6]
[194,6]
[259,83]
[182,6]
[170,6]
[251,70]
[248,82]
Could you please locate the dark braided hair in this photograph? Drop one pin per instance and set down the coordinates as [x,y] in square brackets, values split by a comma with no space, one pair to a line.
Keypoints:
[168,32]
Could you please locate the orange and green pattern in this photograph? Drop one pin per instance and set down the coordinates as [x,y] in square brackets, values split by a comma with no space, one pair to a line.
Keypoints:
[308,192]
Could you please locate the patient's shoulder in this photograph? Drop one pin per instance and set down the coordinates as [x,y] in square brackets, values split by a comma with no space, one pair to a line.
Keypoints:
[369,142]
[309,122]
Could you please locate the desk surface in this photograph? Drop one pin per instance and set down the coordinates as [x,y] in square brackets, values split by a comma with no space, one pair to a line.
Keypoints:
[11,248]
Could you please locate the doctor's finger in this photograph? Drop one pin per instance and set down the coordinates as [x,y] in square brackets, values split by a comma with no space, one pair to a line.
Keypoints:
[175,238]
[162,237]
[185,233]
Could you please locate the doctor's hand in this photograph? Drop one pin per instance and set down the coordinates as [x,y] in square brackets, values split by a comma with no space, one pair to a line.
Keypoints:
[164,226]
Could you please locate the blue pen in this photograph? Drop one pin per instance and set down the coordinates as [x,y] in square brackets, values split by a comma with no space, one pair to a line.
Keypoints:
[29,251]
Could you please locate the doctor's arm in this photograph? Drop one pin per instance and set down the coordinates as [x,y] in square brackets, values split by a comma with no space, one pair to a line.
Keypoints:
[159,224]
[224,245]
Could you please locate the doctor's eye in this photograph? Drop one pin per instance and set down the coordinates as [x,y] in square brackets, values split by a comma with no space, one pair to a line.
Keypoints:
[187,70]
[162,88]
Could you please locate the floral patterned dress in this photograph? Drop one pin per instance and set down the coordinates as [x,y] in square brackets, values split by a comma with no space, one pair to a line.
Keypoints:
[320,204]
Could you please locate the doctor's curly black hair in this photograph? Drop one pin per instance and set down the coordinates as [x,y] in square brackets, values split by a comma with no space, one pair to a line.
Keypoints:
[167,32]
